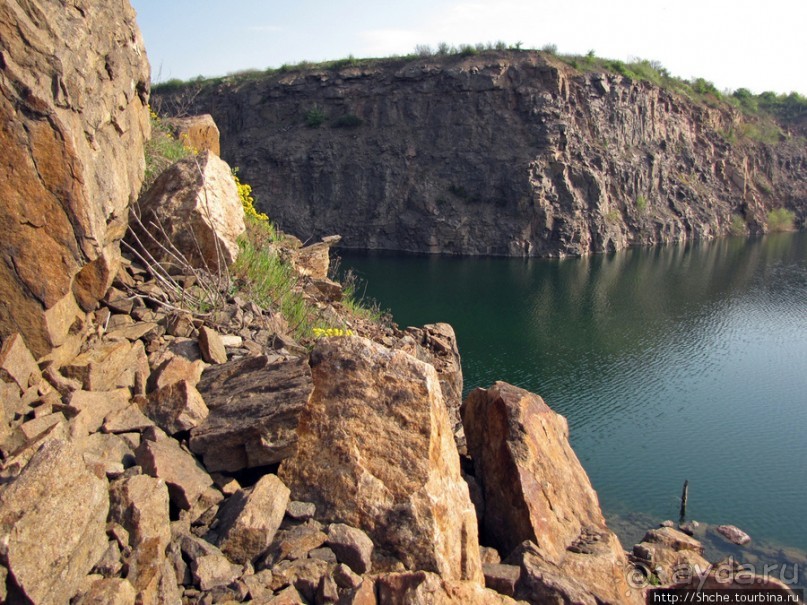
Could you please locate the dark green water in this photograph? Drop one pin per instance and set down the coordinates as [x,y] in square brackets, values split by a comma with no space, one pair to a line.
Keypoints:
[671,363]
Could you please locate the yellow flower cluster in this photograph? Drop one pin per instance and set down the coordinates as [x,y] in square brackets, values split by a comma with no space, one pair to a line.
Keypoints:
[329,332]
[245,193]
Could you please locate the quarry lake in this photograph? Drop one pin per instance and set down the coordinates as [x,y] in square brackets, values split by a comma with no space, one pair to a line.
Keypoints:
[672,363]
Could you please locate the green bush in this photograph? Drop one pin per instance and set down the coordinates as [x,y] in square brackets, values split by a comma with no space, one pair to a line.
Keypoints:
[314,117]
[781,219]
[162,150]
[738,226]
[641,203]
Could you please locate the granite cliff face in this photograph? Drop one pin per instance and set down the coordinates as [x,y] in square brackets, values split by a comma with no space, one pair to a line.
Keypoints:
[506,153]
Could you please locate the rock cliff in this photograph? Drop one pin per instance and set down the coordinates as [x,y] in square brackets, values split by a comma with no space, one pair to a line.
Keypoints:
[74,84]
[505,153]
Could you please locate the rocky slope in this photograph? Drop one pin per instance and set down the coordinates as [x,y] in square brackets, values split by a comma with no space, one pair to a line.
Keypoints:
[506,153]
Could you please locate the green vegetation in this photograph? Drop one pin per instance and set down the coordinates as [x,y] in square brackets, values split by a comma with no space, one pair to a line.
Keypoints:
[641,203]
[162,150]
[315,117]
[613,216]
[781,219]
[738,226]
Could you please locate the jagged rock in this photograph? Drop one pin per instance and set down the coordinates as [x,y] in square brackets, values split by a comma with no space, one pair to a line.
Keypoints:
[376,453]
[174,370]
[288,596]
[259,585]
[670,554]
[109,452]
[109,591]
[323,554]
[436,344]
[352,547]
[110,562]
[535,489]
[548,164]
[250,519]
[198,132]
[300,511]
[501,578]
[254,410]
[489,556]
[71,159]
[214,570]
[52,523]
[187,480]
[346,577]
[17,364]
[426,587]
[176,407]
[733,534]
[211,347]
[294,543]
[33,428]
[196,203]
[127,420]
[314,260]
[140,505]
[110,365]
[92,407]
[303,574]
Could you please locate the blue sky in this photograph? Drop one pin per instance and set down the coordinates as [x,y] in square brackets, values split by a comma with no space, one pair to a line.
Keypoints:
[761,45]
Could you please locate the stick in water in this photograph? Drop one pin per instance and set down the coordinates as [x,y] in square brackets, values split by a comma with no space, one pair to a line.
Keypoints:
[684,495]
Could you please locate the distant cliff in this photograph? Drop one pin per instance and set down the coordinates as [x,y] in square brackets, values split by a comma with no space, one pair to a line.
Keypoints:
[505,153]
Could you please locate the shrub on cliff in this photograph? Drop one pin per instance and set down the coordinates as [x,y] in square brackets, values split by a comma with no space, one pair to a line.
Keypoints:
[162,150]
[781,219]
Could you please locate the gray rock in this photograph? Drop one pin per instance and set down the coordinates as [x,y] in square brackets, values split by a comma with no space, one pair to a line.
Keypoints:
[352,547]
[254,410]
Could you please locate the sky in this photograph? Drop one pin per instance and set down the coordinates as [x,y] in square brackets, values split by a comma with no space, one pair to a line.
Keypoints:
[760,45]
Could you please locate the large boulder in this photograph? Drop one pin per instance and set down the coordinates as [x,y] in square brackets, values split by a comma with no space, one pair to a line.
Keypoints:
[74,83]
[376,452]
[199,132]
[52,524]
[254,407]
[193,209]
[536,490]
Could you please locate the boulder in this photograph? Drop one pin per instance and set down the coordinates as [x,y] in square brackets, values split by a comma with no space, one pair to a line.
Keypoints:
[536,490]
[198,133]
[92,407]
[670,555]
[109,365]
[249,519]
[214,570]
[195,205]
[734,534]
[187,480]
[175,369]
[110,591]
[254,410]
[376,452]
[176,407]
[211,346]
[17,365]
[351,546]
[73,97]
[53,524]
[425,587]
[294,543]
[314,260]
[140,505]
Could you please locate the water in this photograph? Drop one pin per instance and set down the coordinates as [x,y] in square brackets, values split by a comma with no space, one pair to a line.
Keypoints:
[672,363]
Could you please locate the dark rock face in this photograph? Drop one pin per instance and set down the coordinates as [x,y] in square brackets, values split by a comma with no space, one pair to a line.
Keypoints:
[504,153]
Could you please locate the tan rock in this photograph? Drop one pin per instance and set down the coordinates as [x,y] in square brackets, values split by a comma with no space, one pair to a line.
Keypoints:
[175,369]
[250,518]
[110,365]
[536,490]
[187,480]
[288,596]
[93,407]
[314,260]
[670,555]
[425,587]
[71,159]
[140,505]
[304,574]
[196,203]
[294,543]
[376,452]
[211,346]
[110,452]
[127,420]
[33,428]
[109,591]
[250,424]
[17,364]
[52,523]
[352,547]
[176,407]
[199,132]
[214,570]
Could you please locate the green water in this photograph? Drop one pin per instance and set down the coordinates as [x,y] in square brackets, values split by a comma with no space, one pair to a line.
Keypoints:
[671,363]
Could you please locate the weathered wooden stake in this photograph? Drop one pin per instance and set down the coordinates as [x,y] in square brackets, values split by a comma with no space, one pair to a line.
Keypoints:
[684,495]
